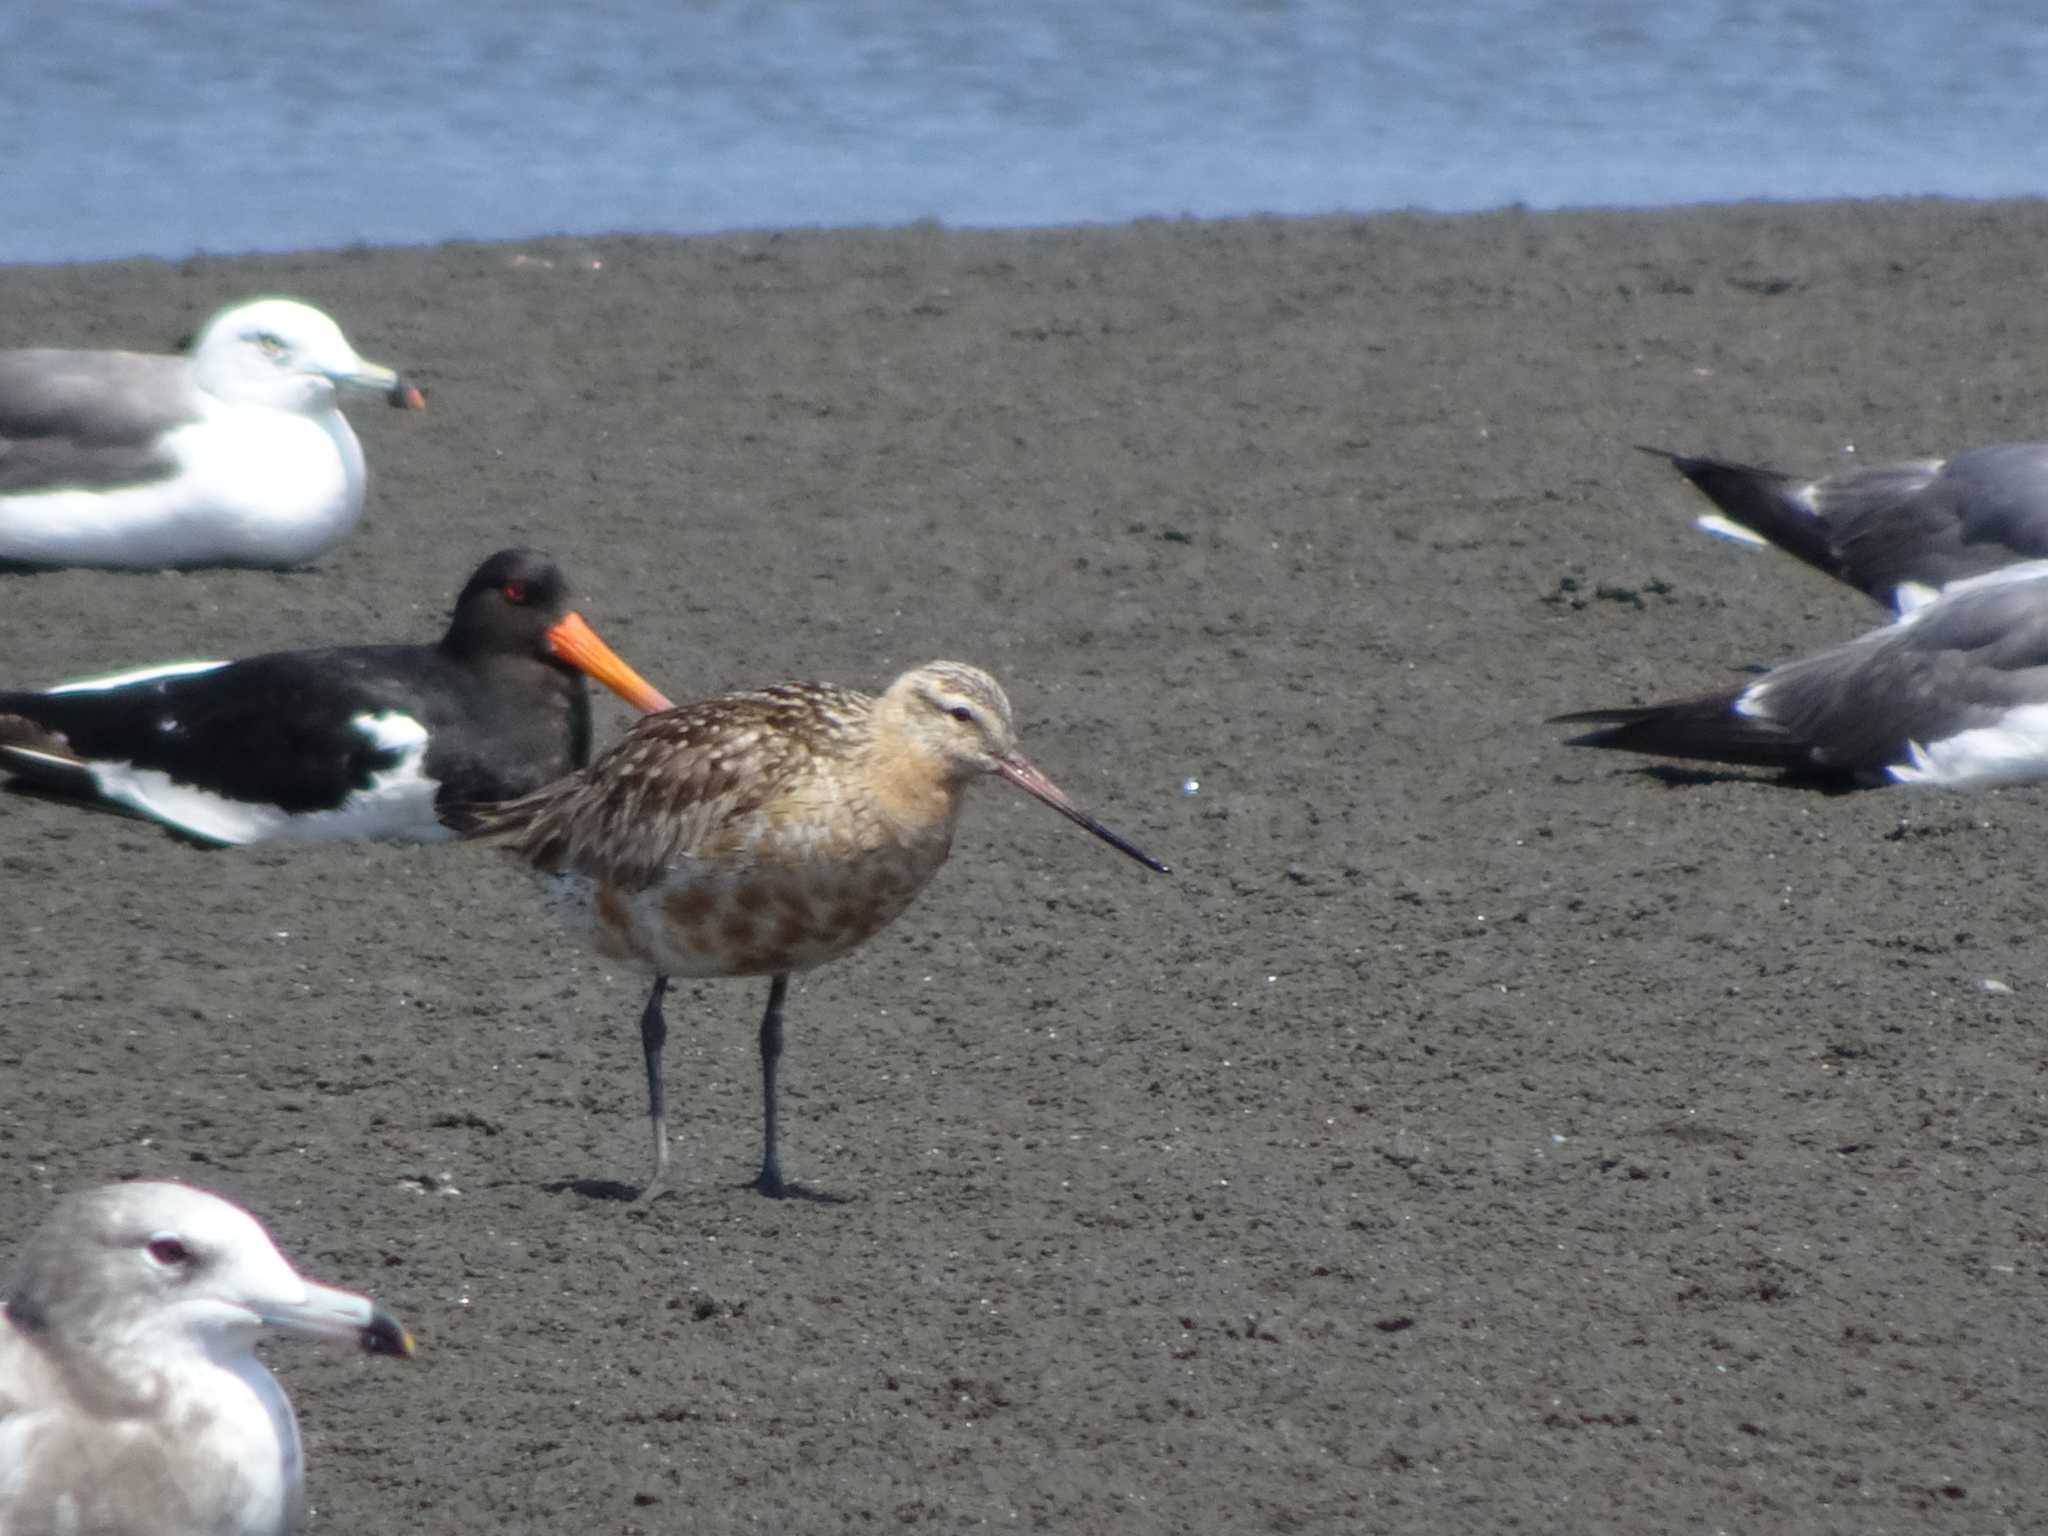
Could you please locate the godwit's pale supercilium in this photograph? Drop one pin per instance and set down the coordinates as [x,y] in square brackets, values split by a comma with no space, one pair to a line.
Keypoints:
[766,832]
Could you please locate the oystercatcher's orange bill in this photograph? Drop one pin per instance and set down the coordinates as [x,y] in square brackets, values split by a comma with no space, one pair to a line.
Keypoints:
[577,644]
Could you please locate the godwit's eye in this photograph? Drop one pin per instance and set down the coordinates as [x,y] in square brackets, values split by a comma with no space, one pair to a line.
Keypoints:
[170,1252]
[515,591]
[962,712]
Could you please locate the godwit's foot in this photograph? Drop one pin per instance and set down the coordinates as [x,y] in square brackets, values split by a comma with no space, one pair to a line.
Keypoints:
[657,1181]
[655,1187]
[776,1187]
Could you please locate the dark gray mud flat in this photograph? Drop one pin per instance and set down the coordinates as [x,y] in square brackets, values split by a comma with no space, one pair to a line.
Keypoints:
[1472,1135]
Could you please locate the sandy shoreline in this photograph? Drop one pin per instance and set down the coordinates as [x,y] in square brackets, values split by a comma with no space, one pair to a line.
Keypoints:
[1471,1136]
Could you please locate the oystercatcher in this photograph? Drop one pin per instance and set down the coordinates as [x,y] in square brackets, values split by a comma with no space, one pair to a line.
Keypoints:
[353,742]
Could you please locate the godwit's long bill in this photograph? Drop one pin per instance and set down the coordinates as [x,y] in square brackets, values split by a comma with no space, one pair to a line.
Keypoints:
[766,832]
[355,742]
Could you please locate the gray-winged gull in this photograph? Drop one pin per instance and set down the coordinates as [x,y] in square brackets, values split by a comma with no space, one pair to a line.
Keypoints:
[130,1403]
[236,454]
[1953,693]
[1898,532]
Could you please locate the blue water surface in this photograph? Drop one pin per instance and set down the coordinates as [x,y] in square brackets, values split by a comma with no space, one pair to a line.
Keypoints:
[129,127]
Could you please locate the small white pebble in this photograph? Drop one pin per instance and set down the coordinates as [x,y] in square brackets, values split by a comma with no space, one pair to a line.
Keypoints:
[1190,787]
[1992,984]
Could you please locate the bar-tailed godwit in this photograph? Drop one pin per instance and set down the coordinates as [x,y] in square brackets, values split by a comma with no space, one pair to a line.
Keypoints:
[765,832]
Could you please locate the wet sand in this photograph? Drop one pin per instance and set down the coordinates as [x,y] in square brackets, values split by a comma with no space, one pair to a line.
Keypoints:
[1472,1135]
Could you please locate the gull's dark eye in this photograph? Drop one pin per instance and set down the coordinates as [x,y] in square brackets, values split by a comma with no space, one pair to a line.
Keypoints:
[515,591]
[962,712]
[170,1252]
[272,346]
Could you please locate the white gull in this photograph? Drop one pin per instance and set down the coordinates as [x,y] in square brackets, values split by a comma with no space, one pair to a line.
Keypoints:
[236,454]
[130,1402]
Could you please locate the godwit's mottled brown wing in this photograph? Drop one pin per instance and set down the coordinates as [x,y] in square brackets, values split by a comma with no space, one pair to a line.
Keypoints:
[679,783]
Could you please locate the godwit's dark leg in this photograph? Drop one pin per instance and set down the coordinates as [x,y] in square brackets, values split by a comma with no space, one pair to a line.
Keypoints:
[770,1182]
[653,1036]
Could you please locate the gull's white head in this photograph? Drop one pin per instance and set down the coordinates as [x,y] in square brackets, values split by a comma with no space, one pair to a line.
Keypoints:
[285,355]
[151,1271]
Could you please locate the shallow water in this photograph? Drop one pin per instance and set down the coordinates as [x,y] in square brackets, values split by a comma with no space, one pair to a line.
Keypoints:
[263,124]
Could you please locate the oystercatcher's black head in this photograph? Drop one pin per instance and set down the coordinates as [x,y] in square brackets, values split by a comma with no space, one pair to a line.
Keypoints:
[517,604]
[508,603]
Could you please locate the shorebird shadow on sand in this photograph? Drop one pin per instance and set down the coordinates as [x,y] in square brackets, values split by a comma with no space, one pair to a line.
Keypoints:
[592,1189]
[1672,776]
[622,1193]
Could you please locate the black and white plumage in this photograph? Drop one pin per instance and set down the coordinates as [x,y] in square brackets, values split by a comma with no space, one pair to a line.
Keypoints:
[1898,532]
[350,742]
[130,1403]
[1953,693]
[236,454]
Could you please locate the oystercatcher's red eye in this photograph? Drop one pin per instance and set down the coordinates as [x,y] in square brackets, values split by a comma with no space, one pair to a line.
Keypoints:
[515,591]
[169,1251]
